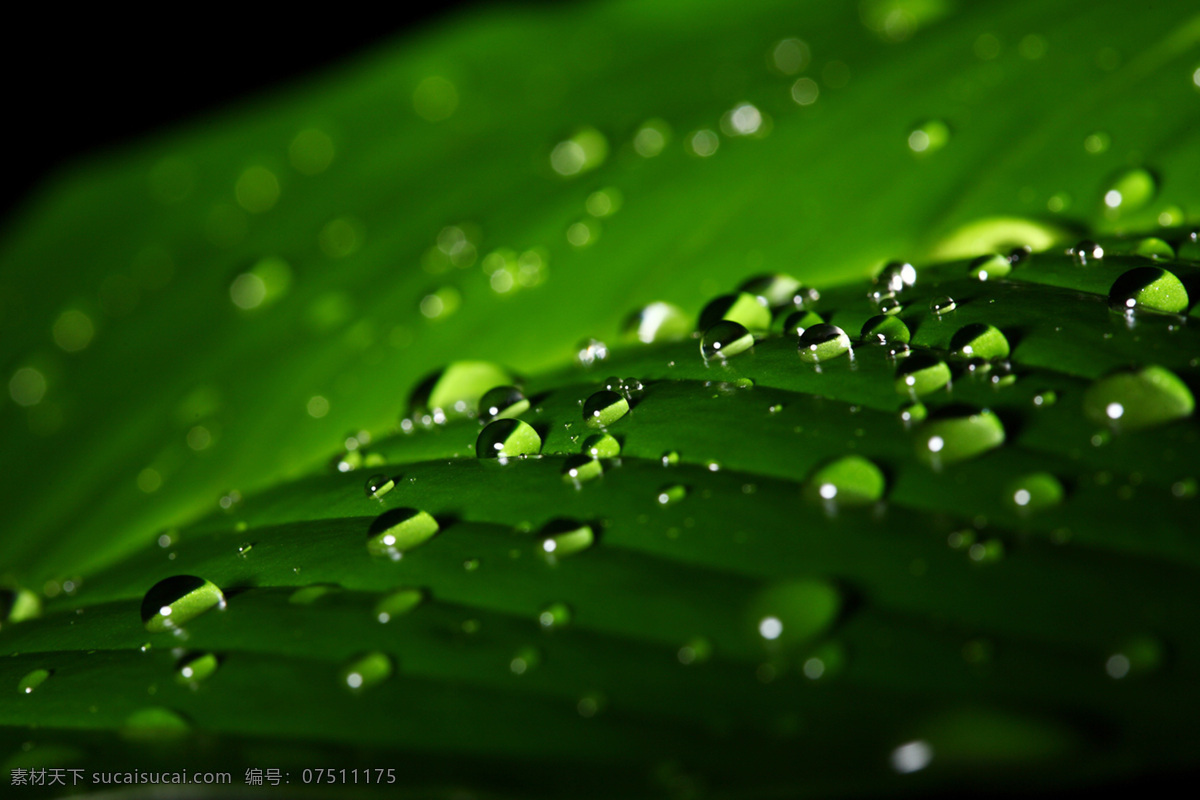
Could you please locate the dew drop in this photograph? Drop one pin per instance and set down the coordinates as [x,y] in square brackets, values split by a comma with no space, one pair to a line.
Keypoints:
[796,323]
[657,322]
[17,605]
[399,530]
[928,137]
[33,680]
[244,549]
[1045,398]
[1133,400]
[525,659]
[603,408]
[1034,492]
[378,485]
[774,290]
[1131,191]
[457,389]
[920,375]
[724,340]
[1150,289]
[196,667]
[743,308]
[580,469]
[589,351]
[398,602]
[670,495]
[885,329]
[795,612]
[847,481]
[940,306]
[670,458]
[563,543]
[896,276]
[913,412]
[175,601]
[365,671]
[154,724]
[307,595]
[1086,252]
[502,402]
[979,340]
[1154,248]
[990,267]
[823,342]
[506,438]
[948,440]
[601,445]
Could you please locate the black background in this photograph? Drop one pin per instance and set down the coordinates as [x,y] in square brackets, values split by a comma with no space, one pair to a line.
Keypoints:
[74,83]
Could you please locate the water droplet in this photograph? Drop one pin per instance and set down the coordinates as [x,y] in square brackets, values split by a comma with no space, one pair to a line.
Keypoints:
[774,291]
[823,342]
[948,440]
[1035,492]
[589,351]
[798,322]
[567,542]
[398,602]
[658,322]
[795,612]
[921,374]
[1154,248]
[1136,399]
[670,495]
[307,595]
[1086,251]
[885,329]
[601,445]
[940,306]
[196,667]
[696,651]
[928,137]
[502,402]
[670,458]
[1045,398]
[978,340]
[506,438]
[580,469]
[990,267]
[526,659]
[848,481]
[177,600]
[244,549]
[1130,191]
[17,605]
[33,680]
[913,412]
[555,616]
[457,389]
[399,530]
[742,308]
[724,340]
[1148,288]
[897,276]
[378,485]
[154,724]
[889,306]
[603,408]
[367,670]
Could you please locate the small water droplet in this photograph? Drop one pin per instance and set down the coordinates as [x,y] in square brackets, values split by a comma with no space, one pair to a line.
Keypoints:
[502,402]
[580,469]
[670,458]
[1136,399]
[1131,191]
[979,340]
[885,329]
[175,601]
[847,481]
[940,306]
[603,408]
[555,616]
[398,602]
[823,342]
[795,612]
[724,340]
[990,267]
[796,323]
[921,374]
[670,495]
[948,440]
[1086,252]
[399,530]
[1045,398]
[378,485]
[1148,288]
[365,671]
[196,667]
[244,549]
[33,680]
[1035,492]
[601,445]
[928,137]
[562,543]
[913,412]
[507,438]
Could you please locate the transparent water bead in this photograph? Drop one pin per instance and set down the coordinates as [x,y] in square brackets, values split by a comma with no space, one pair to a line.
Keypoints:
[378,485]
[979,340]
[33,680]
[941,306]
[990,267]
[775,290]
[193,668]
[795,612]
[502,402]
[1132,400]
[724,340]
[1130,191]
[398,602]
[896,276]
[950,439]
[1034,492]
[507,438]
[658,322]
[921,374]
[797,322]
[603,408]
[743,308]
[568,542]
[1149,289]
[365,671]
[885,329]
[847,481]
[1086,252]
[601,445]
[175,601]
[822,343]
[399,530]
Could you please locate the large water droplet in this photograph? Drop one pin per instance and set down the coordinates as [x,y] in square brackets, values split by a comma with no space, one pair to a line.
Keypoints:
[1130,191]
[658,322]
[568,542]
[378,485]
[196,667]
[1148,288]
[503,402]
[507,438]
[1035,492]
[398,602]
[823,342]
[457,389]
[1136,399]
[742,308]
[979,340]
[884,329]
[921,374]
[367,670]
[990,267]
[848,481]
[32,680]
[795,612]
[603,408]
[601,445]
[174,601]
[397,531]
[948,440]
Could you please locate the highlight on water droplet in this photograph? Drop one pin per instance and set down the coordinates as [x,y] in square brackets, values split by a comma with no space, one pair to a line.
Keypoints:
[601,445]
[1148,289]
[175,601]
[554,616]
[670,495]
[1085,252]
[911,757]
[896,276]
[603,408]
[33,680]
[1136,399]
[1034,492]
[366,671]
[578,470]
[958,437]
[941,306]
[399,530]
[591,351]
[823,342]
[508,438]
[774,290]
[845,482]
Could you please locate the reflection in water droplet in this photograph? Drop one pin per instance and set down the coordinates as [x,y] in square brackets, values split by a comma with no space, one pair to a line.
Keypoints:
[658,322]
[1131,191]
[1131,400]
[507,438]
[896,276]
[398,530]
[503,402]
[175,601]
[1150,289]
[590,351]
[366,671]
[823,342]
[724,340]
[885,329]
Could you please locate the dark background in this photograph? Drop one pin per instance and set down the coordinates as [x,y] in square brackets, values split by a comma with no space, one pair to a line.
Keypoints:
[74,83]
